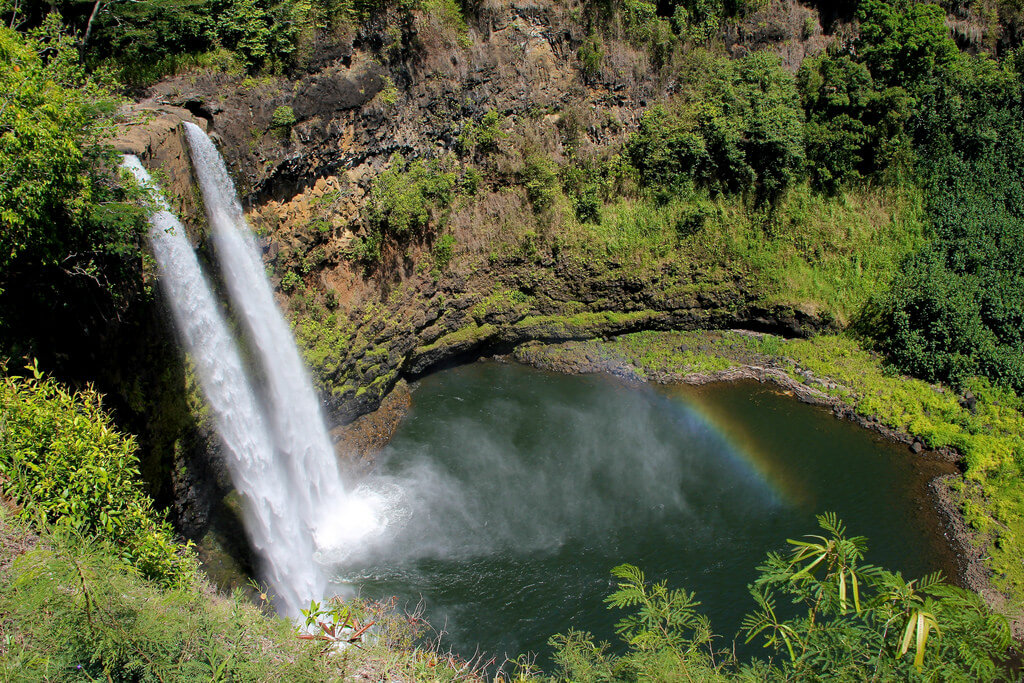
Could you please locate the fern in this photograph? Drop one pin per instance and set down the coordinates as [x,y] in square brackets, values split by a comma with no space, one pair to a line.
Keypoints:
[665,618]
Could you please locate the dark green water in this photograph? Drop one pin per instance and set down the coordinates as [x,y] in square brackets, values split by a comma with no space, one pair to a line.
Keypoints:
[512,493]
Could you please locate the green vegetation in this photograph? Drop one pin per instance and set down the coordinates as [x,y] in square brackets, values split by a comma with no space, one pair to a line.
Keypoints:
[72,611]
[828,253]
[904,43]
[144,40]
[854,131]
[70,229]
[540,179]
[590,55]
[481,139]
[737,129]
[956,309]
[63,463]
[856,622]
[443,250]
[53,169]
[465,337]
[745,168]
[406,200]
[282,120]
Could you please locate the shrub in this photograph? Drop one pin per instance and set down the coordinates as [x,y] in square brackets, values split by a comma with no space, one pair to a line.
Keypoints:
[57,206]
[482,139]
[739,130]
[540,179]
[591,54]
[283,119]
[698,20]
[409,197]
[290,281]
[955,309]
[904,43]
[443,250]
[63,462]
[854,130]
[585,187]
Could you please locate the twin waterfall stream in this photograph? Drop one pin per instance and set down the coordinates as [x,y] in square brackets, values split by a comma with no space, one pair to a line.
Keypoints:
[277,447]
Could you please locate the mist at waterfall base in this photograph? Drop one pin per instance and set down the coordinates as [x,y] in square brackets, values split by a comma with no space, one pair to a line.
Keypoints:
[510,493]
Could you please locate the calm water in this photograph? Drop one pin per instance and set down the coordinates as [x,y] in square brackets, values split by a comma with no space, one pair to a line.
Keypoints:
[512,492]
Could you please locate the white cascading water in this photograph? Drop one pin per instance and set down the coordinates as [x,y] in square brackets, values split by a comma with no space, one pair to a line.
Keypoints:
[335,518]
[279,534]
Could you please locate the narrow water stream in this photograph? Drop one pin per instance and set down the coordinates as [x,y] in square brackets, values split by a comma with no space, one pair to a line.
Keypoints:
[512,492]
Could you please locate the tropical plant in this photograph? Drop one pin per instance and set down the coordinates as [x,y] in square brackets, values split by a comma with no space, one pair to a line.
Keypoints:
[954,309]
[862,621]
[63,462]
[283,119]
[904,43]
[58,201]
[738,128]
[410,196]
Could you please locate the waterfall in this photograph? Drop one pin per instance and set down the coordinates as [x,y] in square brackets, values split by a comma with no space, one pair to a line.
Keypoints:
[280,536]
[298,426]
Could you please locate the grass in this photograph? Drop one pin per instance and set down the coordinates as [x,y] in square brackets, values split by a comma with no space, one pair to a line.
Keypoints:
[71,610]
[823,253]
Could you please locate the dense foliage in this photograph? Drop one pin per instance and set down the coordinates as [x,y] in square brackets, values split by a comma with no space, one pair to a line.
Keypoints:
[739,128]
[854,129]
[143,40]
[958,307]
[405,200]
[64,463]
[855,622]
[58,206]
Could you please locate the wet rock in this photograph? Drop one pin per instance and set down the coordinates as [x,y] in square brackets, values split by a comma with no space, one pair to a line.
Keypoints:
[153,132]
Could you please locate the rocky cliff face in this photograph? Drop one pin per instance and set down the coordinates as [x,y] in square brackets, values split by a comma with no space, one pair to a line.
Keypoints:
[155,135]
[413,87]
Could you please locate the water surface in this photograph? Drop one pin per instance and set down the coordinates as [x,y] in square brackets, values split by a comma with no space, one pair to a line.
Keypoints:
[512,492]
